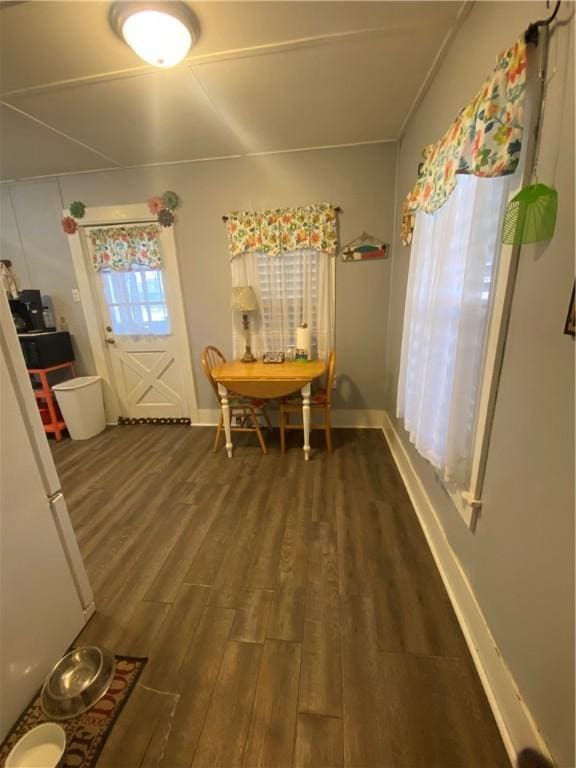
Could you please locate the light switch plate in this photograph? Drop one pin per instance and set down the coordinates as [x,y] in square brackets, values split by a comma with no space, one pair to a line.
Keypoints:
[75,294]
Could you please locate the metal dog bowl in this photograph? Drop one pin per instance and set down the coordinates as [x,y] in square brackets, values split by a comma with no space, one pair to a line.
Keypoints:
[77,682]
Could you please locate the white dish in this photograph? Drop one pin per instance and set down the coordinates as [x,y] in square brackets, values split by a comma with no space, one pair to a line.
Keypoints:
[41,747]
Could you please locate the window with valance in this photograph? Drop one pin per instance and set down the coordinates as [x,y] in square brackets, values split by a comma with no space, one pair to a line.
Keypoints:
[456,210]
[485,139]
[129,264]
[283,230]
[122,248]
[286,256]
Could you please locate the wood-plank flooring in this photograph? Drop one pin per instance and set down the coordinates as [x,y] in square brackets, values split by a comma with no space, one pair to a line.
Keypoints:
[291,612]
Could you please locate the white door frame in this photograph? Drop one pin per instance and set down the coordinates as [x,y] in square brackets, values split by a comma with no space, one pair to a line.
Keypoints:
[123,214]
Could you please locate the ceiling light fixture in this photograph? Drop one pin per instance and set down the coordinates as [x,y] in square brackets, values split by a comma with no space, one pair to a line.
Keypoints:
[161,33]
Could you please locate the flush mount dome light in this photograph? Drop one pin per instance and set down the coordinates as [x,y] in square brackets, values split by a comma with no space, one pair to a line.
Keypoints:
[161,33]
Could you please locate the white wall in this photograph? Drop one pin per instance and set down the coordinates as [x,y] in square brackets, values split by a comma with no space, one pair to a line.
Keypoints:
[360,180]
[520,561]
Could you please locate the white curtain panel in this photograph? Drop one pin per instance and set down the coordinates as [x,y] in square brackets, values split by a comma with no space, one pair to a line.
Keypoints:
[453,265]
[291,288]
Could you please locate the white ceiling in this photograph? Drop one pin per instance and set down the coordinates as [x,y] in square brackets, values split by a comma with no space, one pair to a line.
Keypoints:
[263,77]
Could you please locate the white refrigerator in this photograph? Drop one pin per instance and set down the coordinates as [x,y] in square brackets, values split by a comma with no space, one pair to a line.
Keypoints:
[45,596]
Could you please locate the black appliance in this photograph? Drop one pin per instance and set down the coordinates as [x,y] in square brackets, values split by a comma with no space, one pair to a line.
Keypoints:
[32,298]
[44,350]
[20,315]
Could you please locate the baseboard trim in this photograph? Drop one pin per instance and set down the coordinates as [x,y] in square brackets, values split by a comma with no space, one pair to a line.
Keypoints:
[341,418]
[515,722]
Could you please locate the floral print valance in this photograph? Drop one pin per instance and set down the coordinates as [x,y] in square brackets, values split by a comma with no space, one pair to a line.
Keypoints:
[121,248]
[484,140]
[281,230]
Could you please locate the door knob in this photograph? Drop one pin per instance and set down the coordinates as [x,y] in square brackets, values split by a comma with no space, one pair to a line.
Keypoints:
[110,341]
[109,329]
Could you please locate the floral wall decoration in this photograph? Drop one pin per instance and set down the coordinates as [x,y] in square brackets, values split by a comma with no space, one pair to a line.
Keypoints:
[163,207]
[77,211]
[283,229]
[69,225]
[484,140]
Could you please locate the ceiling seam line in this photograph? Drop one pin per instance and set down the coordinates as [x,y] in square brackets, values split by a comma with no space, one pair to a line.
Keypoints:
[117,168]
[59,133]
[215,57]
[296,44]
[320,147]
[435,66]
[215,107]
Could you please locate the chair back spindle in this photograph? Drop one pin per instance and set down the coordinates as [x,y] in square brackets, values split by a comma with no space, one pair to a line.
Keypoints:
[247,408]
[211,358]
[330,376]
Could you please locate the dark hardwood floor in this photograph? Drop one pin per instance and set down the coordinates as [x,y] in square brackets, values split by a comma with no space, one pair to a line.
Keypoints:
[291,612]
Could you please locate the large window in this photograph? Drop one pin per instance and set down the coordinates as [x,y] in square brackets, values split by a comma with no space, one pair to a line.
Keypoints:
[453,267]
[292,287]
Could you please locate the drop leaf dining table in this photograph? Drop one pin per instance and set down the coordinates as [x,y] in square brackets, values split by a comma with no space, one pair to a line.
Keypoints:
[267,381]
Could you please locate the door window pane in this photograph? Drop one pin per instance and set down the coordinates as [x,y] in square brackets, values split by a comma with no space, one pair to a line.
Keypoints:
[136,302]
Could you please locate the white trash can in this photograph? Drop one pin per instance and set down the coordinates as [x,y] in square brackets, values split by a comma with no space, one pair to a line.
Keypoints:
[82,406]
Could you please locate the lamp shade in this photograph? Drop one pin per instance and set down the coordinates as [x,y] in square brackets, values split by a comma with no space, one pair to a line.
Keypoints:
[160,32]
[243,299]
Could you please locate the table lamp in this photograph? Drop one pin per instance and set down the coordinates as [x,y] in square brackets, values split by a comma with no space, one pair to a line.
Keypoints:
[244,300]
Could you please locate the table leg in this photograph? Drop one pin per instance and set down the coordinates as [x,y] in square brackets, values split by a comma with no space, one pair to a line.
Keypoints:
[223,392]
[306,419]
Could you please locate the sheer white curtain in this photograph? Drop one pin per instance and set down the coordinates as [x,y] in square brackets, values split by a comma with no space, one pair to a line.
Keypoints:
[452,270]
[291,288]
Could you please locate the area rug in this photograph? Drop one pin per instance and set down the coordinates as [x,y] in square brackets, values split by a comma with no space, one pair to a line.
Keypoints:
[87,733]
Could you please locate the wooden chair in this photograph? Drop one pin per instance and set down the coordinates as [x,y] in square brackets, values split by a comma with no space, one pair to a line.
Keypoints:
[320,401]
[247,408]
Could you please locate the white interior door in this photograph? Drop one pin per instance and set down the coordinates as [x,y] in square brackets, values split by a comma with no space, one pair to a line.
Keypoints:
[137,315]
